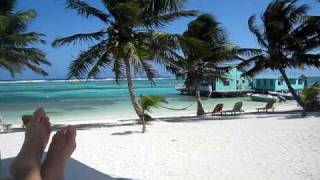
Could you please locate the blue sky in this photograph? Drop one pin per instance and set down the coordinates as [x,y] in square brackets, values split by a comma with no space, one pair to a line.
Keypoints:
[56,21]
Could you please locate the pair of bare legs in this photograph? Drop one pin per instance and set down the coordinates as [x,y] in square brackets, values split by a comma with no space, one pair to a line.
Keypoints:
[27,165]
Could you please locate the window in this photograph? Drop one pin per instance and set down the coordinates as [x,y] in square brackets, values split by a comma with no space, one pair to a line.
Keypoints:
[226,82]
[243,81]
[300,81]
[280,82]
[293,81]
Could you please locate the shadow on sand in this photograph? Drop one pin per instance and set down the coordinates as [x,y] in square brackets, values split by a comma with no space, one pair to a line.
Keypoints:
[74,170]
[278,115]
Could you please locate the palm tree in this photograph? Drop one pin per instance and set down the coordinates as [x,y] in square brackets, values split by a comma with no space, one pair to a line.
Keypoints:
[146,103]
[128,41]
[288,39]
[205,47]
[15,53]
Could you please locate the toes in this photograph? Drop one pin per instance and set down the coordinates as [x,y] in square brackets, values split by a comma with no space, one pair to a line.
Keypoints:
[47,123]
[72,132]
[71,138]
[62,132]
[39,114]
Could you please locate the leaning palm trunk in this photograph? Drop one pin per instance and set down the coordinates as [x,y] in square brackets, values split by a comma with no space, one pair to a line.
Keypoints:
[292,91]
[200,111]
[131,93]
[143,123]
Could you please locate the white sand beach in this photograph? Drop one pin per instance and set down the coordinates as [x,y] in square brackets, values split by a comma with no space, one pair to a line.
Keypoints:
[276,146]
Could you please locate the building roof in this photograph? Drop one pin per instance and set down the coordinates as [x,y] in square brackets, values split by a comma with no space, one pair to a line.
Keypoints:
[278,76]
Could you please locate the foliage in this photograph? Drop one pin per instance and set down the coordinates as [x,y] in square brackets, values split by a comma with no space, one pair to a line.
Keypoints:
[129,40]
[311,98]
[15,51]
[147,102]
[205,47]
[289,38]
[128,36]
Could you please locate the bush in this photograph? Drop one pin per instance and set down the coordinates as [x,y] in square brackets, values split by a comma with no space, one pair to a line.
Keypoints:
[311,98]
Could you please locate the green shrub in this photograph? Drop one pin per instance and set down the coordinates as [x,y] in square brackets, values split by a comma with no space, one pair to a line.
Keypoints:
[311,98]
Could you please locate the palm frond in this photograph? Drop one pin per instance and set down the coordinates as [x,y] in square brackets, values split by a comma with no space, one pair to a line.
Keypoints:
[100,64]
[301,60]
[20,40]
[12,66]
[161,20]
[86,10]
[78,38]
[158,7]
[150,72]
[118,69]
[84,62]
[255,30]
[147,102]
[249,52]
[37,69]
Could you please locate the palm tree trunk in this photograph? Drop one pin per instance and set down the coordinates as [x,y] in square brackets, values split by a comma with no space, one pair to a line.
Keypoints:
[292,91]
[131,92]
[143,123]
[200,111]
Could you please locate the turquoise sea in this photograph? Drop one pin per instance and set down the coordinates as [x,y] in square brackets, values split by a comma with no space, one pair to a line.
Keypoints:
[92,100]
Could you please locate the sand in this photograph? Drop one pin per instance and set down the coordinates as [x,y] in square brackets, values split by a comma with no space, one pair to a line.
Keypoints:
[253,146]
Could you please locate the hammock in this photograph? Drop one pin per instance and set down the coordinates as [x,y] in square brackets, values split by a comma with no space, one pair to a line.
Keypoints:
[174,109]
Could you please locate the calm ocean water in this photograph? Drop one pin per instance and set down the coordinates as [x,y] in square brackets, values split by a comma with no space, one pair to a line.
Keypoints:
[72,101]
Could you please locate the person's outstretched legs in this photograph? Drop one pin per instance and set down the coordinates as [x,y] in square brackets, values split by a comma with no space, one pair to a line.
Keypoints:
[28,162]
[62,146]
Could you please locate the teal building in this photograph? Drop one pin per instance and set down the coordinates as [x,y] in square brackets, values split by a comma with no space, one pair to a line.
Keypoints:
[232,83]
[267,83]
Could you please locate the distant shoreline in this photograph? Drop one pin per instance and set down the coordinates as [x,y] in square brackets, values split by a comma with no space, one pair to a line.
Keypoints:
[77,80]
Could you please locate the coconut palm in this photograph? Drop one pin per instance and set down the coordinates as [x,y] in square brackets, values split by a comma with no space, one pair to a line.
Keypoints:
[205,47]
[148,102]
[128,41]
[15,51]
[288,39]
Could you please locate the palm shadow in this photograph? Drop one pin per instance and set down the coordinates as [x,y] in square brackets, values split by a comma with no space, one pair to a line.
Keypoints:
[125,133]
[74,170]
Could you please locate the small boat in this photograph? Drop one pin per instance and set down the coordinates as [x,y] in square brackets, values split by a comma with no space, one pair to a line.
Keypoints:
[264,97]
[180,87]
[287,96]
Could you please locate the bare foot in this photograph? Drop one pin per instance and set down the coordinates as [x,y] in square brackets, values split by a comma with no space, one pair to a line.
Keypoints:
[62,146]
[28,162]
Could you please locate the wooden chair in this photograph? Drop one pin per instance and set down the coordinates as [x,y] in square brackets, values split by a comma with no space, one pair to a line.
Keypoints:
[268,106]
[217,109]
[237,108]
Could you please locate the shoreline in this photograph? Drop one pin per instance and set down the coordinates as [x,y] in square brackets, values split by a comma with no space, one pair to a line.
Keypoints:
[188,113]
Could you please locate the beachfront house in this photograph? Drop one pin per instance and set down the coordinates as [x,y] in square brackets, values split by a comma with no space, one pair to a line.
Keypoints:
[265,83]
[232,84]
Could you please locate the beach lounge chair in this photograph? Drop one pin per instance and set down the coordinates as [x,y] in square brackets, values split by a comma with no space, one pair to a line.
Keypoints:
[217,109]
[237,108]
[4,127]
[268,106]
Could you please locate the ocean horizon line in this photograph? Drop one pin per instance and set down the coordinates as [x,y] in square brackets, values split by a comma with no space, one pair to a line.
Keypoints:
[78,80]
